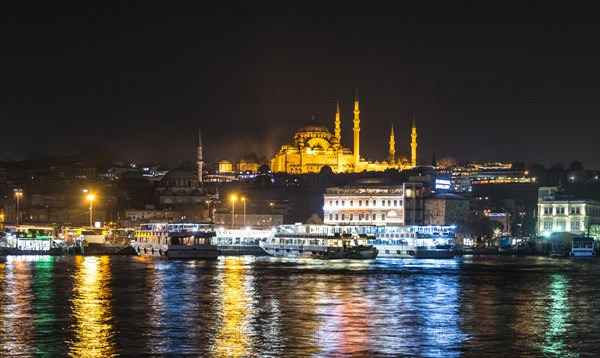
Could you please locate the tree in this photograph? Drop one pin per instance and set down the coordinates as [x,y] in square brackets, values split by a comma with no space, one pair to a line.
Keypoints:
[575,166]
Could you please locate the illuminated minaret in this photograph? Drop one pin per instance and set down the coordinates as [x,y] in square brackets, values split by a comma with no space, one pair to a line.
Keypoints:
[337,129]
[199,160]
[392,147]
[356,132]
[413,144]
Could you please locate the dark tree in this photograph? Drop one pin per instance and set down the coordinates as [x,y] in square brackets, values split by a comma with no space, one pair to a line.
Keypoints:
[575,166]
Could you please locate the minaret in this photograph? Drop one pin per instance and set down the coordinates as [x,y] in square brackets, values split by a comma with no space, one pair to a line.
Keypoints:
[199,159]
[413,144]
[356,132]
[337,129]
[392,147]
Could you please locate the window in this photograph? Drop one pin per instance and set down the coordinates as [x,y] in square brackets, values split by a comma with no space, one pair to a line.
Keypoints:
[374,202]
[382,216]
[343,202]
[560,225]
[360,203]
[575,225]
[337,217]
[366,203]
[337,203]
[383,203]
[330,202]
[389,203]
[547,225]
[351,217]
[547,211]
[351,202]
[330,216]
[575,210]
[395,202]
[374,216]
[343,217]
[366,216]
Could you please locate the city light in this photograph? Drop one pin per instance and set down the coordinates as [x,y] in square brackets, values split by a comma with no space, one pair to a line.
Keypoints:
[90,197]
[18,195]
[233,199]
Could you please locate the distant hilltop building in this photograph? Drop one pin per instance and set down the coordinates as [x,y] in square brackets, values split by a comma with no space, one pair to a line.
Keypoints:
[314,147]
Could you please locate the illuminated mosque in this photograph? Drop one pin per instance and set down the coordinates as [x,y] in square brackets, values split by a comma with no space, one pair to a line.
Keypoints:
[314,147]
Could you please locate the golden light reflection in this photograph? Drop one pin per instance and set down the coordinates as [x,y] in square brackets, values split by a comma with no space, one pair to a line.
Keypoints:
[91,307]
[233,339]
[17,317]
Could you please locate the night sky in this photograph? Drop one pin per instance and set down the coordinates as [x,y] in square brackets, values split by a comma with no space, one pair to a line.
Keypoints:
[487,81]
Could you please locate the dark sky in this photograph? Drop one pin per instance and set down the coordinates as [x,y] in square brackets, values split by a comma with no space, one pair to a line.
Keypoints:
[487,81]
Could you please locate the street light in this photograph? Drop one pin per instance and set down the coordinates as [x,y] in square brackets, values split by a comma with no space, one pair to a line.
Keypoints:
[233,199]
[18,195]
[244,201]
[91,198]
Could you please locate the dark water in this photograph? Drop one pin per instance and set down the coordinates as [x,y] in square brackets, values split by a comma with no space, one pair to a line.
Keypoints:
[132,306]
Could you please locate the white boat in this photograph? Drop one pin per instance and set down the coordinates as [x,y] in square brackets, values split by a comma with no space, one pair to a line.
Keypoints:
[31,240]
[317,241]
[582,247]
[421,242]
[241,242]
[192,246]
[176,240]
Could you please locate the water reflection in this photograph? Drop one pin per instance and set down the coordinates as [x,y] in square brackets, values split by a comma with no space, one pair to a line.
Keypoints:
[17,322]
[558,313]
[235,334]
[92,308]
[43,306]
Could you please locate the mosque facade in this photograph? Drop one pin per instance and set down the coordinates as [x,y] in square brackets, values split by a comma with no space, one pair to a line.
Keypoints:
[314,147]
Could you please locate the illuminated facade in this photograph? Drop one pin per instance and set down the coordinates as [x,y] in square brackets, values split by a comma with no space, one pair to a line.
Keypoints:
[558,213]
[374,205]
[314,147]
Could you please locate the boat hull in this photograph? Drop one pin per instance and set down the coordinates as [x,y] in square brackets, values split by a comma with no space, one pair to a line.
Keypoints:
[414,252]
[321,252]
[192,252]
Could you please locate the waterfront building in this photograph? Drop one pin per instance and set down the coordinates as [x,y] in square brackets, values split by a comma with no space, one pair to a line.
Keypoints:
[565,213]
[474,174]
[314,147]
[374,205]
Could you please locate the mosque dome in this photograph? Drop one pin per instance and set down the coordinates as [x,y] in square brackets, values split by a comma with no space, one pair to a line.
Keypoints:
[313,126]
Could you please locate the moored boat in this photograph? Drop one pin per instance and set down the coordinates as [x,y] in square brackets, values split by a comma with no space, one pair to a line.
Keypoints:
[582,247]
[176,240]
[241,242]
[195,245]
[317,241]
[420,242]
[31,240]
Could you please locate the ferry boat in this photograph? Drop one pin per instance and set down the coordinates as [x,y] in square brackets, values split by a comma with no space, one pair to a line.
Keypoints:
[582,247]
[421,242]
[558,248]
[176,240]
[193,245]
[31,240]
[317,241]
[241,242]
